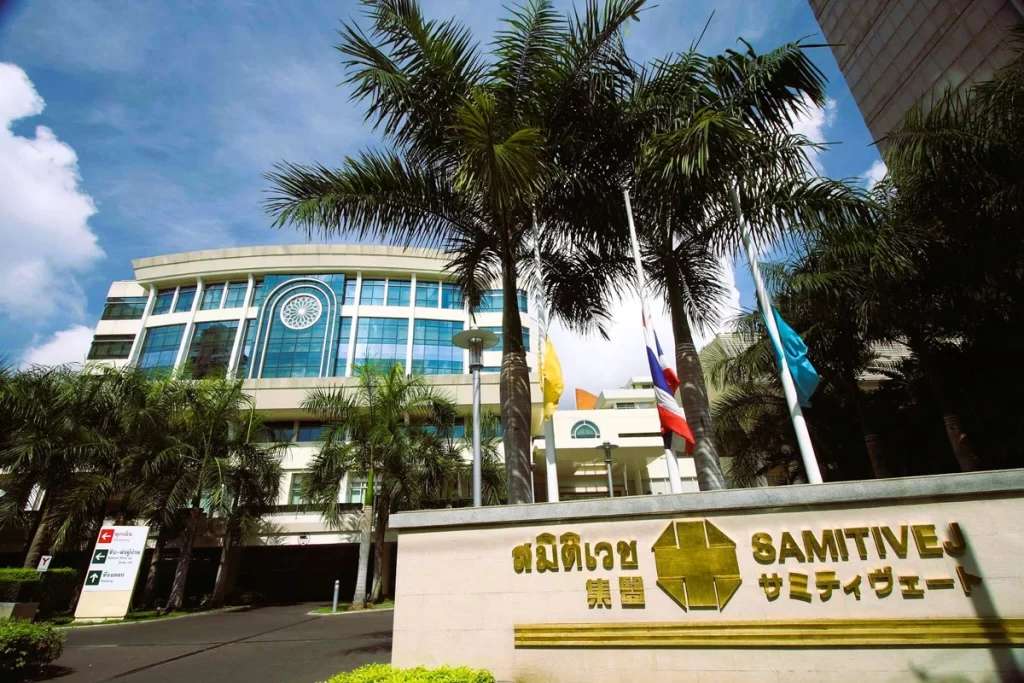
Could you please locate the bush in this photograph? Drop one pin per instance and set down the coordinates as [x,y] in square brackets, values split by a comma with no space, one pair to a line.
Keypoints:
[19,585]
[25,646]
[58,589]
[383,673]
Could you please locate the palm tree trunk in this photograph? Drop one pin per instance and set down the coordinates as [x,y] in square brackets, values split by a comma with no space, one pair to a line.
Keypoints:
[359,595]
[184,560]
[872,441]
[694,394]
[379,531]
[41,536]
[516,419]
[149,593]
[223,568]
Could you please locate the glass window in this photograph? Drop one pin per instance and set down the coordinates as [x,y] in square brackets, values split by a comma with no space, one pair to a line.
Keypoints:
[459,428]
[451,296]
[341,359]
[186,295]
[125,307]
[164,299]
[211,296]
[398,292]
[491,368]
[246,353]
[585,429]
[433,352]
[210,348]
[357,491]
[236,294]
[295,353]
[279,432]
[381,340]
[499,347]
[491,301]
[295,491]
[373,293]
[427,294]
[257,293]
[111,346]
[310,431]
[350,291]
[160,348]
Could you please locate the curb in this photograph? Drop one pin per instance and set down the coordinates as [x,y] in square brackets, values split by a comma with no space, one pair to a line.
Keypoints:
[136,622]
[356,611]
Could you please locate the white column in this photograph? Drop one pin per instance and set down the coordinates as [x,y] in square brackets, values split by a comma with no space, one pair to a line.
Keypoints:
[355,326]
[552,465]
[625,479]
[224,295]
[638,480]
[133,355]
[412,321]
[240,332]
[187,337]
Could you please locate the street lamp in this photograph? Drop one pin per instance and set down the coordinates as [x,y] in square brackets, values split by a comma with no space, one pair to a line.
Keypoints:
[476,340]
[608,446]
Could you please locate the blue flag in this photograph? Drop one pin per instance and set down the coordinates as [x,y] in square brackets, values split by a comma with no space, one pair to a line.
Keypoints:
[805,377]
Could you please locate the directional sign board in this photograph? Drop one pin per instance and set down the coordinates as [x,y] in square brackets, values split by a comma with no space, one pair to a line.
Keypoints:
[44,563]
[116,558]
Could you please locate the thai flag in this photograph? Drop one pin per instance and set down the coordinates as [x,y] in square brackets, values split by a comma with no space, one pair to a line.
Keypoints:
[673,422]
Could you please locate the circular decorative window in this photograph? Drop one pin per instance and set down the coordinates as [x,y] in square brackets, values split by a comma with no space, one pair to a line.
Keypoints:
[301,311]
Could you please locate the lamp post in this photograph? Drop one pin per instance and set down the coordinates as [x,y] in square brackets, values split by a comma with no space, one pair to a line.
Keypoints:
[476,340]
[607,446]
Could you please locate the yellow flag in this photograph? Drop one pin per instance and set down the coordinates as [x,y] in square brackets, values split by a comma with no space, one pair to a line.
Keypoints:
[552,380]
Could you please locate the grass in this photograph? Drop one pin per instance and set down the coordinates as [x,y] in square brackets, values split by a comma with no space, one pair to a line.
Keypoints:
[68,621]
[358,607]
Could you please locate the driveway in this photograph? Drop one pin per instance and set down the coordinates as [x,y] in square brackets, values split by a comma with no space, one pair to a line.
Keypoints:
[281,644]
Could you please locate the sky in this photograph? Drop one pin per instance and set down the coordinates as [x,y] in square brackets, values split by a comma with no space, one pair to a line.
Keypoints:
[143,128]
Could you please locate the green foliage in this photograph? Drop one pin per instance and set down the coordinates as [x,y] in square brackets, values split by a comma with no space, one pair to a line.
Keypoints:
[24,646]
[19,585]
[59,587]
[385,673]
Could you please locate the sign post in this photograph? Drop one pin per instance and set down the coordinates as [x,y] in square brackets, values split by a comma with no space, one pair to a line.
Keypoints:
[113,569]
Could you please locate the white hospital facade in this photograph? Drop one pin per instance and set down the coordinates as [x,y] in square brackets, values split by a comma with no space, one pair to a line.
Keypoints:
[288,319]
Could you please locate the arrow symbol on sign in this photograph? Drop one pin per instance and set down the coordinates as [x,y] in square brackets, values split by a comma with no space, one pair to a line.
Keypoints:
[94,578]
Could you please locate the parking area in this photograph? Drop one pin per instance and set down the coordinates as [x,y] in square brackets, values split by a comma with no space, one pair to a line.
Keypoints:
[279,644]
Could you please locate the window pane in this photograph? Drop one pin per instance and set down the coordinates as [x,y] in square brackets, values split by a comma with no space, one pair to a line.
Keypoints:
[125,307]
[257,293]
[427,294]
[433,352]
[357,491]
[372,293]
[210,348]
[310,431]
[160,348]
[109,347]
[295,353]
[341,359]
[491,301]
[499,347]
[451,296]
[350,291]
[295,490]
[164,298]
[246,353]
[522,298]
[381,340]
[236,295]
[398,292]
[186,295]
[212,295]
[278,432]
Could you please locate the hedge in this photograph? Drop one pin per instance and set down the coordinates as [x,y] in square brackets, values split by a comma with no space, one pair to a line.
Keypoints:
[384,673]
[53,592]
[25,646]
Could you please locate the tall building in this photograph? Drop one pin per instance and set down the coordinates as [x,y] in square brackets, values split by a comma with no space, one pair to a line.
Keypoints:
[288,319]
[897,53]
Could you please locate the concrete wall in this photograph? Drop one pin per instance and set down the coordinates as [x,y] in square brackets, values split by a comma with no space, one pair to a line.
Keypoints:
[915,579]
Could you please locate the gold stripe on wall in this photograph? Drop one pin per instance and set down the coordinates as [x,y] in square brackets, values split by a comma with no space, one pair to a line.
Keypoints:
[832,633]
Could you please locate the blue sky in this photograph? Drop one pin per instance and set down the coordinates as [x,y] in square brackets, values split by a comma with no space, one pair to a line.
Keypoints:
[162,117]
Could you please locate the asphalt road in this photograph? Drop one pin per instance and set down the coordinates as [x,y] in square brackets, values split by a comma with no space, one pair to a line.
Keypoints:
[281,644]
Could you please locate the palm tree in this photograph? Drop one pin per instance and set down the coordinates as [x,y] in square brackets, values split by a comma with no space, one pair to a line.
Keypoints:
[384,428]
[473,144]
[198,468]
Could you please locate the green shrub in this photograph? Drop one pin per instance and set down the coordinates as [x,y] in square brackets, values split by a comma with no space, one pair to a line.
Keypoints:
[19,585]
[59,587]
[25,646]
[383,673]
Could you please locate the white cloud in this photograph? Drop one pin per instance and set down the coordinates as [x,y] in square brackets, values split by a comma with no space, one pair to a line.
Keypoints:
[874,175]
[814,124]
[63,347]
[43,212]
[595,364]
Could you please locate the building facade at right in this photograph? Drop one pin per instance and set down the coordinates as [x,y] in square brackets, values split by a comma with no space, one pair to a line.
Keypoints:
[897,53]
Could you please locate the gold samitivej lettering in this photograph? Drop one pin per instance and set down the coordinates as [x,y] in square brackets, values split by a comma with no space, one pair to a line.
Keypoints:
[833,545]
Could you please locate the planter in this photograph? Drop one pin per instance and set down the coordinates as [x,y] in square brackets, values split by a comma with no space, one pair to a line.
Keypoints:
[18,610]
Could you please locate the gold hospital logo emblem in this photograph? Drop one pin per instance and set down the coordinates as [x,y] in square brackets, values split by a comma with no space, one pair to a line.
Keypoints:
[697,565]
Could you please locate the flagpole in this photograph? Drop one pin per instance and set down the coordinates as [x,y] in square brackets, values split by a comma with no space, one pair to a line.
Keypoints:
[803,437]
[548,424]
[674,483]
